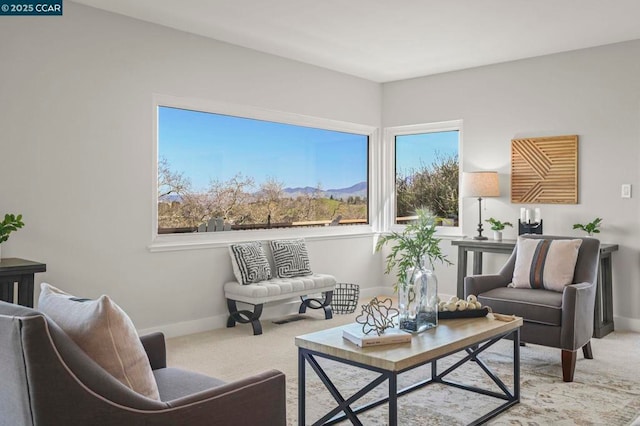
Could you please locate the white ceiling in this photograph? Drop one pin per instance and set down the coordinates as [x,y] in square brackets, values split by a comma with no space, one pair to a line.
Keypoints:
[387,40]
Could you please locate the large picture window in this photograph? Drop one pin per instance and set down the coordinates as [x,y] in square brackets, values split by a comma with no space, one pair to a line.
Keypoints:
[225,172]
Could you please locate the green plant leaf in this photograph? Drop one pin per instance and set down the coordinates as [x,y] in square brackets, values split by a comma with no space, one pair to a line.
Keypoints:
[497,225]
[10,224]
[416,242]
[591,227]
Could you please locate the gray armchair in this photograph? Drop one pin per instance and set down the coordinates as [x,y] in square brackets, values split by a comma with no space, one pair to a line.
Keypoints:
[48,380]
[560,320]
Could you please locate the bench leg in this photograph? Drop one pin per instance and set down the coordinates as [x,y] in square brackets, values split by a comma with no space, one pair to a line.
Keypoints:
[244,317]
[325,304]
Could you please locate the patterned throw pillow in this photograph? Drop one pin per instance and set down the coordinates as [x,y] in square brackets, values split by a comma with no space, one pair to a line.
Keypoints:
[291,258]
[542,263]
[105,332]
[250,264]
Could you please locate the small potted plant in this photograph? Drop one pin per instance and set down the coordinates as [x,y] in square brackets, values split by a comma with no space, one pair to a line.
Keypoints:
[590,228]
[10,223]
[497,227]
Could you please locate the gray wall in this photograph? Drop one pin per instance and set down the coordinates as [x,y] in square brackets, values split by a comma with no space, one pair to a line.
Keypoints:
[594,93]
[76,150]
[76,147]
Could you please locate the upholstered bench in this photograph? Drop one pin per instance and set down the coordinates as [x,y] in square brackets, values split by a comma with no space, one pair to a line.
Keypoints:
[278,289]
[256,285]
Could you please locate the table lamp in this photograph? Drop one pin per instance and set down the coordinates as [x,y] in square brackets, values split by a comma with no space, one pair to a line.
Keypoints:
[480,184]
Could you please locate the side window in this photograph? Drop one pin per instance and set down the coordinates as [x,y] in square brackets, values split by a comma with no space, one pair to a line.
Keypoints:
[427,175]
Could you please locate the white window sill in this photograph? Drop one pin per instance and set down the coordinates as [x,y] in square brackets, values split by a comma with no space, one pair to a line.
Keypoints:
[207,240]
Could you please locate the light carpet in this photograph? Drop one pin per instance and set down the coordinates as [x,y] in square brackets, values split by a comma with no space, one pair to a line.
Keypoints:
[605,391]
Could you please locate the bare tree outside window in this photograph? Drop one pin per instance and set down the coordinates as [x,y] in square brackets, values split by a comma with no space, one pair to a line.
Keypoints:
[254,174]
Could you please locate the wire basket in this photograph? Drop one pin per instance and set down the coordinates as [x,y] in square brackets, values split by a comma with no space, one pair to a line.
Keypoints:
[345,298]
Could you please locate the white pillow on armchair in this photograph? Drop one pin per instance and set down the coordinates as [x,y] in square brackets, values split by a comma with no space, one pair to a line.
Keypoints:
[105,332]
[547,264]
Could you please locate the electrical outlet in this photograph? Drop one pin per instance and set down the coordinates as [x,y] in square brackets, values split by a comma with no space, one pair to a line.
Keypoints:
[626,190]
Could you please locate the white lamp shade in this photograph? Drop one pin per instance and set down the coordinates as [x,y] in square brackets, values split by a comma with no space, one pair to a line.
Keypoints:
[480,184]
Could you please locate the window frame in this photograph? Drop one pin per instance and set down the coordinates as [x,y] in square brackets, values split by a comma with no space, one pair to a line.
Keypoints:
[170,242]
[388,222]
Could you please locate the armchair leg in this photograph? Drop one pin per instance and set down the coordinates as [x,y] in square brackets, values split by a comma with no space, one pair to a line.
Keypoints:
[569,361]
[568,365]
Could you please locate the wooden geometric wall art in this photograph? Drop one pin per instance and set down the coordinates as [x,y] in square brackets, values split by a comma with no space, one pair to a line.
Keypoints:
[544,170]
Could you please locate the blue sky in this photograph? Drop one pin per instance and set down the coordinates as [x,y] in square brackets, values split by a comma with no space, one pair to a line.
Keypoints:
[415,151]
[207,146]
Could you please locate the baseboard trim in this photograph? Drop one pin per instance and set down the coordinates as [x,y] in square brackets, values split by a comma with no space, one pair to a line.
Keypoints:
[271,311]
[278,310]
[184,328]
[626,324]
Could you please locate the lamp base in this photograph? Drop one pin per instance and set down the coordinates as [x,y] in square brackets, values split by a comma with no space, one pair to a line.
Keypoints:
[480,236]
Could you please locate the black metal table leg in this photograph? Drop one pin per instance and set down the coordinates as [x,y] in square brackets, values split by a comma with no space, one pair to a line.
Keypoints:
[393,399]
[301,388]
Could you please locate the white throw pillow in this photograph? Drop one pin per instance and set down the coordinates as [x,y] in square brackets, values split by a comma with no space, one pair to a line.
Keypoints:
[105,332]
[250,263]
[545,263]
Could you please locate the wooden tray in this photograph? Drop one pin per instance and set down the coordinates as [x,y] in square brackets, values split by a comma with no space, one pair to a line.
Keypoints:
[472,313]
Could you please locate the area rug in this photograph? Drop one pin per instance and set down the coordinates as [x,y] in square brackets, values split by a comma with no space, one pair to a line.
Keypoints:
[605,391]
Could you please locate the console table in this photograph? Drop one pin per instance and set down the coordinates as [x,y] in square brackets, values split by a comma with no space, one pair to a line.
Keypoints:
[20,271]
[603,315]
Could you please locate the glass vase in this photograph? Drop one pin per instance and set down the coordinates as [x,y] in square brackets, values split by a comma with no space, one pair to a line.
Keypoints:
[418,301]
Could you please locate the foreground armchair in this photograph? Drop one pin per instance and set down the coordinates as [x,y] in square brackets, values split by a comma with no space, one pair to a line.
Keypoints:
[46,379]
[560,317]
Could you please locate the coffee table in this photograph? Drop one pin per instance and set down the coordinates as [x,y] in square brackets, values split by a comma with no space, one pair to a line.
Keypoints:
[469,335]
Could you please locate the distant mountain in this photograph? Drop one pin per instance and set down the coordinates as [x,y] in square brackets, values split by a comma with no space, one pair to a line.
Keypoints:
[357,190]
[299,190]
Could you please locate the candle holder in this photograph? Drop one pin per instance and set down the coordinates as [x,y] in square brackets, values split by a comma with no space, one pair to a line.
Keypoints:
[529,227]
